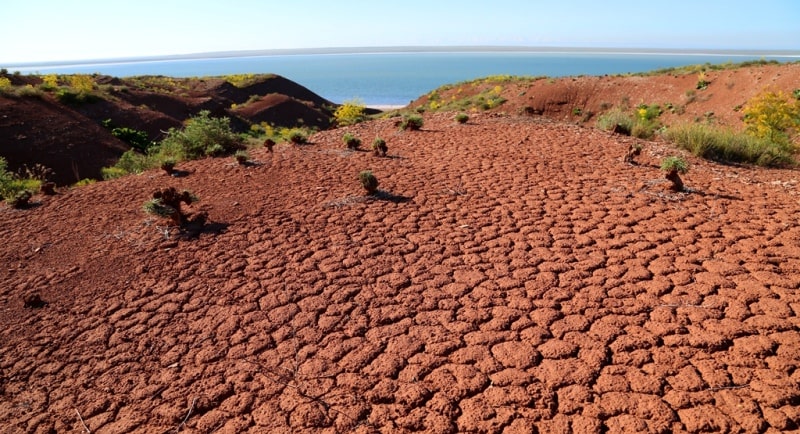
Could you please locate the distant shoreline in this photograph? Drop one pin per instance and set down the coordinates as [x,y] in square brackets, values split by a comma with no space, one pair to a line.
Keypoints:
[410,50]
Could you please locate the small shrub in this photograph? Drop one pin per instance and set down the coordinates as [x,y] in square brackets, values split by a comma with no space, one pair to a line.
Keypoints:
[368,181]
[241,157]
[349,113]
[49,82]
[168,165]
[379,147]
[462,118]
[673,166]
[297,136]
[20,199]
[166,202]
[617,121]
[82,83]
[796,94]
[351,141]
[5,85]
[132,161]
[771,115]
[411,122]
[702,83]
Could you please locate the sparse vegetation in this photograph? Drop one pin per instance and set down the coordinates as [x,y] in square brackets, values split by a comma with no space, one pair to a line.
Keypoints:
[616,121]
[641,125]
[351,141]
[368,181]
[411,122]
[673,167]
[462,118]
[379,147]
[297,136]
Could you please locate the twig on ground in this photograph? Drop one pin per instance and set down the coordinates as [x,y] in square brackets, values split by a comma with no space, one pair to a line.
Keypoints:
[83,424]
[189,413]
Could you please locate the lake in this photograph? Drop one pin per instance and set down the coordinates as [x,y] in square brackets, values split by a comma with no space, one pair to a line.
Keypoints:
[396,78]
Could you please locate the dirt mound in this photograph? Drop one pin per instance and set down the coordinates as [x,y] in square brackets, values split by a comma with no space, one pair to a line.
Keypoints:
[512,274]
[69,138]
[581,99]
[279,109]
[42,131]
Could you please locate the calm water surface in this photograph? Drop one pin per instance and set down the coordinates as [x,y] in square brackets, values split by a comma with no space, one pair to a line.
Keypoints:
[398,78]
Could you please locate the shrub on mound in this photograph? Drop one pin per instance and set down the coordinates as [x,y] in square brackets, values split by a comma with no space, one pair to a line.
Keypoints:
[202,136]
[411,122]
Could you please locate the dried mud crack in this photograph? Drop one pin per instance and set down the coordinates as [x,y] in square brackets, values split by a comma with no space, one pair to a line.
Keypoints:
[530,281]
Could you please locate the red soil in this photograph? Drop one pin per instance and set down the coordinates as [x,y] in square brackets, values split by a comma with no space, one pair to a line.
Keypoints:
[69,139]
[514,275]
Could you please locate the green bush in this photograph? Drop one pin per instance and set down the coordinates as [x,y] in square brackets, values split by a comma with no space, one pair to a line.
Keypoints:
[368,181]
[411,122]
[674,164]
[202,136]
[297,136]
[351,141]
[137,139]
[722,144]
[134,162]
[462,118]
[379,147]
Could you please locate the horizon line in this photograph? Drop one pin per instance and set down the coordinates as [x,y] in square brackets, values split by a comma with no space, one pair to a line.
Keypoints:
[409,49]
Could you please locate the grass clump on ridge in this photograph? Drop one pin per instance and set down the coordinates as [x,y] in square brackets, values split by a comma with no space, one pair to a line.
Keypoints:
[727,145]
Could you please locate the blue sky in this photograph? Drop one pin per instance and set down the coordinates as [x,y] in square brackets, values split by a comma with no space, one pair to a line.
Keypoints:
[51,30]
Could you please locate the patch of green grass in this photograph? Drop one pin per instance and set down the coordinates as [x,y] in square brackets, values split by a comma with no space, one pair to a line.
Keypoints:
[721,144]
[674,164]
[112,173]
[616,120]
